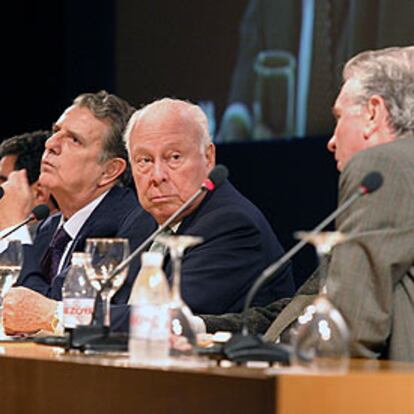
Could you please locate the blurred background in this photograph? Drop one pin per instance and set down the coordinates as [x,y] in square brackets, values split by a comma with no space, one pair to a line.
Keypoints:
[198,50]
[141,50]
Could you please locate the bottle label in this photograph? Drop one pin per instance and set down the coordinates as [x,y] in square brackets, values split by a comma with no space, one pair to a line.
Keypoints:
[150,322]
[77,312]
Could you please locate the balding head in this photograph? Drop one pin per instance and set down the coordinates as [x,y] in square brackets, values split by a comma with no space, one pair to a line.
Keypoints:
[171,154]
[166,112]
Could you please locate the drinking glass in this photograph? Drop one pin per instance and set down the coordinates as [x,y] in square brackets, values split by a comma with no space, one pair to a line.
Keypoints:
[11,258]
[274,101]
[183,339]
[106,254]
[321,337]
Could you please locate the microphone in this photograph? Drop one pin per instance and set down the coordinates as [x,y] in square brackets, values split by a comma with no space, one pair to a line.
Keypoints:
[38,213]
[245,347]
[1,192]
[97,337]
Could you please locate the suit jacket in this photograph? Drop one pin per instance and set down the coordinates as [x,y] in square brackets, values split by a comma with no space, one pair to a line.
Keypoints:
[105,221]
[371,276]
[276,24]
[217,274]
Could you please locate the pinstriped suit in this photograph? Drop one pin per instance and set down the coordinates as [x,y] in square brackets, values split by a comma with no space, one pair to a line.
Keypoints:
[371,277]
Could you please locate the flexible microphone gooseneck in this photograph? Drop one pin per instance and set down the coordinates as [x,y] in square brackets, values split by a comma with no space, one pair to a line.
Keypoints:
[245,345]
[214,180]
[38,213]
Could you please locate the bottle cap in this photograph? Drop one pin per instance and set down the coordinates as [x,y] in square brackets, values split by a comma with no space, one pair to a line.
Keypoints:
[152,259]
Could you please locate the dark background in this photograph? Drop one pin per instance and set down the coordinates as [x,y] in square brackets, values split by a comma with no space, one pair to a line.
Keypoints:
[147,49]
[140,50]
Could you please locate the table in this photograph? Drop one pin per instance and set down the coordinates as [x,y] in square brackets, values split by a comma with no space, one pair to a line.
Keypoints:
[38,379]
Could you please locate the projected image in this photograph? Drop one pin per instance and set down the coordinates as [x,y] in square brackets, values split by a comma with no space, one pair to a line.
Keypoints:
[290,59]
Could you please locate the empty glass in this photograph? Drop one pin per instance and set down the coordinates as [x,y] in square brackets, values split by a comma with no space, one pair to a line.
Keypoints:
[183,339]
[321,337]
[274,101]
[106,254]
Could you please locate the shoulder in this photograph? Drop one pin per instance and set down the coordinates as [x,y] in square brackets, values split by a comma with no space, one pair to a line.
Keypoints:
[394,160]
[226,208]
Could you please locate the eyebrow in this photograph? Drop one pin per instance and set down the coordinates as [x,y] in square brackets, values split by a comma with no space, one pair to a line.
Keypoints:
[3,178]
[56,128]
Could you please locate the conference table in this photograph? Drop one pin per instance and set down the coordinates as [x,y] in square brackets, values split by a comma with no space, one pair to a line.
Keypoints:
[41,379]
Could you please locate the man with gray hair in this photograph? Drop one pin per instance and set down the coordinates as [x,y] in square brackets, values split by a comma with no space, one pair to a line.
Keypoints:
[83,166]
[371,275]
[171,154]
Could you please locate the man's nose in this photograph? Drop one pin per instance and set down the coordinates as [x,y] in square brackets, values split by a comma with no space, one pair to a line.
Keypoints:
[53,143]
[159,173]
[332,144]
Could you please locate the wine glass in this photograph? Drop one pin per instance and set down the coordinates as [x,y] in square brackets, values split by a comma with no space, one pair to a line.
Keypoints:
[321,338]
[11,258]
[105,255]
[274,105]
[182,339]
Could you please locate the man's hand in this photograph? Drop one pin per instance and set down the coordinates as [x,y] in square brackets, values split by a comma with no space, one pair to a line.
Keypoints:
[26,311]
[17,201]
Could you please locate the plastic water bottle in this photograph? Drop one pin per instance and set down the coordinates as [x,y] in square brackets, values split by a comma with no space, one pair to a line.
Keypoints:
[150,320]
[77,293]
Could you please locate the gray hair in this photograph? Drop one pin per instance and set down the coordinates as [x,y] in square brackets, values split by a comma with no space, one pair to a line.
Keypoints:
[388,73]
[186,110]
[106,106]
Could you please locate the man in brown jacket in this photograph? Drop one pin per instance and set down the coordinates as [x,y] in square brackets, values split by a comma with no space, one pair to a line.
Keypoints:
[370,277]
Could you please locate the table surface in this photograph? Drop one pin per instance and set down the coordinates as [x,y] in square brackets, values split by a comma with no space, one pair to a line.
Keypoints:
[39,379]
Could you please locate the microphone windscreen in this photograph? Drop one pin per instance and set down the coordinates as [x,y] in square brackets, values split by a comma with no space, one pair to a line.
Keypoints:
[218,174]
[371,182]
[41,212]
[1,192]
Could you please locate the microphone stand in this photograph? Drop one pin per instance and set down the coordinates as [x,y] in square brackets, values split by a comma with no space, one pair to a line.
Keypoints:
[244,347]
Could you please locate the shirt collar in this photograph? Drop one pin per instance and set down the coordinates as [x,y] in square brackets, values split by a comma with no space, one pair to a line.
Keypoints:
[73,225]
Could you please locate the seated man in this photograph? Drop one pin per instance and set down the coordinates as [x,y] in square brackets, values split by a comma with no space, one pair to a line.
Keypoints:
[171,153]
[25,152]
[371,276]
[82,167]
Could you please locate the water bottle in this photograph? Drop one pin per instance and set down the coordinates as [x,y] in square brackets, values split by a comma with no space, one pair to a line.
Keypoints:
[77,293]
[149,321]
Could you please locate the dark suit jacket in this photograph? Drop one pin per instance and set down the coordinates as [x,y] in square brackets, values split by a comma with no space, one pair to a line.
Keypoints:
[217,274]
[105,221]
[371,276]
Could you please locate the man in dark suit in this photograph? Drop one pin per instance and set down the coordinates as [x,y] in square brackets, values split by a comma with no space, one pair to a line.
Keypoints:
[83,165]
[370,276]
[171,154]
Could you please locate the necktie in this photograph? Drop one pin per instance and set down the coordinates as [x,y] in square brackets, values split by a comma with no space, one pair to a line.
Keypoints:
[159,247]
[51,259]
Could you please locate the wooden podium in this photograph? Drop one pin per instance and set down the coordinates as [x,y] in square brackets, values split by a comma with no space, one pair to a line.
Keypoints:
[36,379]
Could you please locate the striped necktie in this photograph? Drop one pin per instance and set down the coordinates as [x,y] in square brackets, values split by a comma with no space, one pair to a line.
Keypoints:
[53,255]
[159,247]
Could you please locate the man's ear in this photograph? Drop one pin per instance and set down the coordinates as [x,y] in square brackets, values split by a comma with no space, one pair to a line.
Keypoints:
[113,169]
[40,194]
[211,155]
[377,115]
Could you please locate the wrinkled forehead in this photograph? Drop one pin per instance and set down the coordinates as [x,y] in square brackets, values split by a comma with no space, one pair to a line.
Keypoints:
[171,126]
[348,96]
